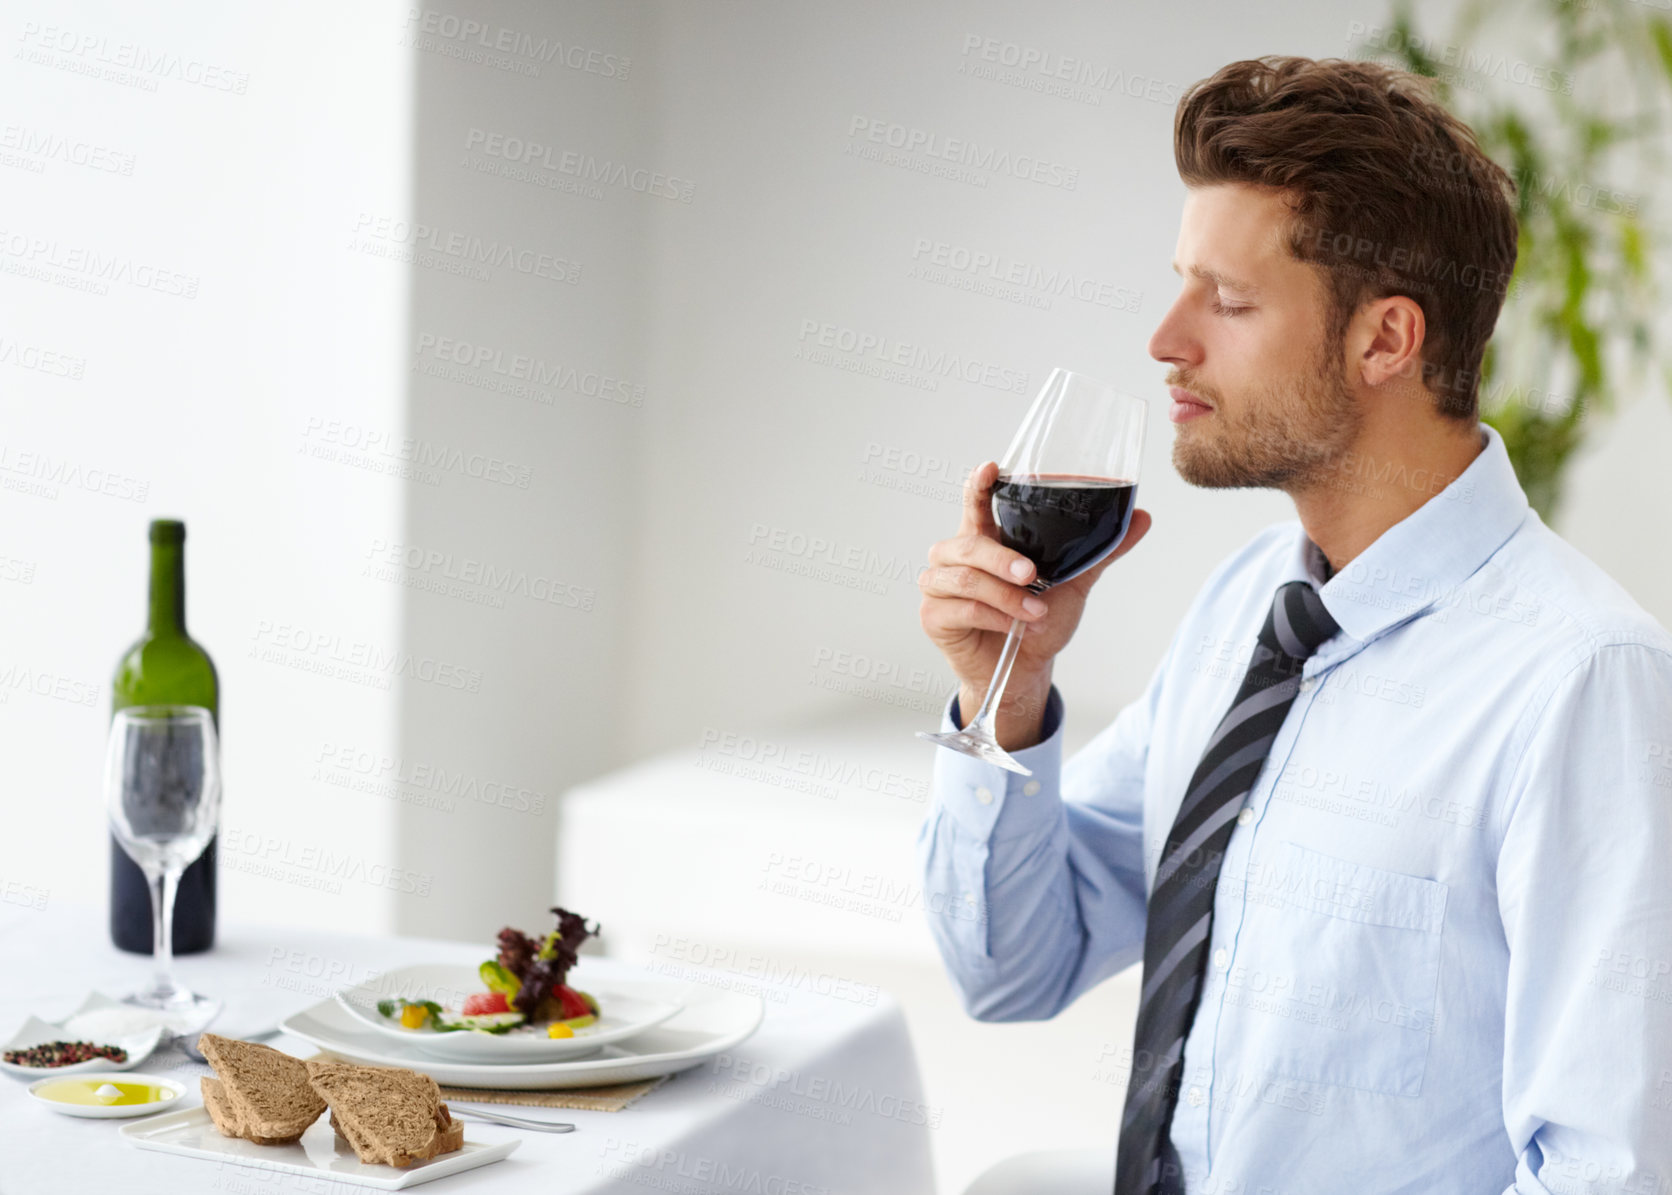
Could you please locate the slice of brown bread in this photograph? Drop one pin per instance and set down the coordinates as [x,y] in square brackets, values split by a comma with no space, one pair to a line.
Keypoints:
[265,1090]
[387,1114]
[449,1132]
[449,1136]
[220,1110]
[214,1102]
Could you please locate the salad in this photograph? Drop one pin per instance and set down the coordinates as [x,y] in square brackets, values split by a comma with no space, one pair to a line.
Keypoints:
[525,985]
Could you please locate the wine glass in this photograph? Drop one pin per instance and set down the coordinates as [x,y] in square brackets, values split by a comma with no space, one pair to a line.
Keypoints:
[163,793]
[1065,493]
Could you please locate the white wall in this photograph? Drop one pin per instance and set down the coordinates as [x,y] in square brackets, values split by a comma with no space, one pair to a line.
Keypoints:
[538,366]
[356,124]
[247,194]
[790,226]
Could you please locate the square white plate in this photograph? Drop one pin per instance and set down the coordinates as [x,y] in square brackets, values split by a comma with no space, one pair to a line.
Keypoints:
[320,1153]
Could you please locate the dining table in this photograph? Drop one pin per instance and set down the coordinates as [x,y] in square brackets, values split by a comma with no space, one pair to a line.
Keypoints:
[824,1098]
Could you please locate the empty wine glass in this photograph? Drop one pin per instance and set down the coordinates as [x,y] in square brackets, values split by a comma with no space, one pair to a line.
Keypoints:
[163,792]
[1065,493]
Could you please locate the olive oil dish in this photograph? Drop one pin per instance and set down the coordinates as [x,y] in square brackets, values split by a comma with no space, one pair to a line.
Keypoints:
[107,1094]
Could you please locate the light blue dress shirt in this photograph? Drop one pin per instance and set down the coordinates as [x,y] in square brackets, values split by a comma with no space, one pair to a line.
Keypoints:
[1441,957]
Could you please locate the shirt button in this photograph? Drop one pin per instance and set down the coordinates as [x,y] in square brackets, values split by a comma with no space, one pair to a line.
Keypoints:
[969,898]
[1031,788]
[1246,816]
[1195,1096]
[984,796]
[1306,685]
[1221,958]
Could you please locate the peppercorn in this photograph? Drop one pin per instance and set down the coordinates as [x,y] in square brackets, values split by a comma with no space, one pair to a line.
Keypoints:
[64,1053]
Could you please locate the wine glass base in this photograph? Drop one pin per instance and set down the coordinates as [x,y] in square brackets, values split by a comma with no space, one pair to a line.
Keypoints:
[981,748]
[182,1011]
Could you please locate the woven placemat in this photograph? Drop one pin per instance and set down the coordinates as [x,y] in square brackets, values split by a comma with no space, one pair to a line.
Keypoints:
[590,1099]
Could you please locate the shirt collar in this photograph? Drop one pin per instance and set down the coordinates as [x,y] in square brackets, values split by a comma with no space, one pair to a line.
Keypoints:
[1428,554]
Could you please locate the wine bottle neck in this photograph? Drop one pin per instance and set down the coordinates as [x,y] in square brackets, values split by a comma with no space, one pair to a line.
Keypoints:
[167,614]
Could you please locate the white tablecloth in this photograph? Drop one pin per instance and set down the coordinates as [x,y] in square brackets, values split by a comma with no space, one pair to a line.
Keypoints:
[824,1099]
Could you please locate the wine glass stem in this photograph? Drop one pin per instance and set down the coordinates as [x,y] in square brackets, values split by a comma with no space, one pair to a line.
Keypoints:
[164,883]
[985,723]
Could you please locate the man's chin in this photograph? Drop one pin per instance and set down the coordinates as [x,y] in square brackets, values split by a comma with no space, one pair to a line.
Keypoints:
[1211,472]
[1205,470]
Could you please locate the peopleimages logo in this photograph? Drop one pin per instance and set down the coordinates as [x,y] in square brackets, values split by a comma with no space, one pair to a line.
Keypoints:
[413,241]
[429,29]
[931,255]
[825,559]
[815,764]
[521,367]
[31,471]
[869,137]
[147,64]
[525,151]
[240,847]
[332,439]
[1035,68]
[87,268]
[38,360]
[16,678]
[311,650]
[495,579]
[887,353]
[42,146]
[379,768]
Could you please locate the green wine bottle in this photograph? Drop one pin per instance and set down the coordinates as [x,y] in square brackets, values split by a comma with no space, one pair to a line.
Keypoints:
[165,667]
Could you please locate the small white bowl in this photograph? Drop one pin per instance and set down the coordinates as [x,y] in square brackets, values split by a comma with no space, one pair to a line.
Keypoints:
[110,1111]
[138,1042]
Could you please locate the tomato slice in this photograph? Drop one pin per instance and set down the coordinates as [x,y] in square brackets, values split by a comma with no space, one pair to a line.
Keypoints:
[570,1002]
[484,1003]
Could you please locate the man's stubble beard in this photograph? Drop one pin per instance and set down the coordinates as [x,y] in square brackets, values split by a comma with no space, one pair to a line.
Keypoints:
[1287,436]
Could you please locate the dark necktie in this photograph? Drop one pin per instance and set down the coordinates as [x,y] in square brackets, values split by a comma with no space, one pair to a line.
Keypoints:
[1181,902]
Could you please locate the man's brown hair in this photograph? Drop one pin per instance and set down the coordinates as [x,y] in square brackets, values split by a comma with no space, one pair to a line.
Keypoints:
[1391,195]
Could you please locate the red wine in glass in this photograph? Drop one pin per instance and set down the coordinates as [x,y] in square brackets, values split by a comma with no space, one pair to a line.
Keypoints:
[1064,496]
[1063,523]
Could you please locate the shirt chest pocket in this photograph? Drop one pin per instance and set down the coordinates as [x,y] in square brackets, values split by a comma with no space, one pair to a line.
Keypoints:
[1344,961]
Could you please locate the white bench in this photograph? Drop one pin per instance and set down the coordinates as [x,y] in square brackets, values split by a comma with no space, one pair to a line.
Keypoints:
[795,841]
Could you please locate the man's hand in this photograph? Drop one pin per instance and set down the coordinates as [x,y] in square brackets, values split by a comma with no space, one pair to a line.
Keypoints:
[974,586]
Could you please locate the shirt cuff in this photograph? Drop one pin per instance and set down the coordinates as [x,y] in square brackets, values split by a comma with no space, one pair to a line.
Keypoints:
[991,803]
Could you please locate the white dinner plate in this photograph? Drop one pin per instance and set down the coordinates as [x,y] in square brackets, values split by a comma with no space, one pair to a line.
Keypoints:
[320,1153]
[712,1021]
[86,1024]
[624,1010]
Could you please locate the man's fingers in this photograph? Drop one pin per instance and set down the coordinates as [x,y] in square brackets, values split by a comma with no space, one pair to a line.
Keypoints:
[980,552]
[961,581]
[946,615]
[978,509]
[1135,531]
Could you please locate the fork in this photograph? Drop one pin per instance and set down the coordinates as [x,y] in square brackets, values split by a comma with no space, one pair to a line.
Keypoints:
[516,1122]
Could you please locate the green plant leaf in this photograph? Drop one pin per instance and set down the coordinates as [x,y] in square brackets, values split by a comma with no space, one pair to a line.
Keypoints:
[1660,33]
[1583,293]
[1633,251]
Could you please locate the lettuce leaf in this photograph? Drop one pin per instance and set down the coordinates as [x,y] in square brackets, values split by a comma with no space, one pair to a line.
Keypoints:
[542,966]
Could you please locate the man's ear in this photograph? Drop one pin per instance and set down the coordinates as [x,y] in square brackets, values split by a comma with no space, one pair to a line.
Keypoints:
[1389,334]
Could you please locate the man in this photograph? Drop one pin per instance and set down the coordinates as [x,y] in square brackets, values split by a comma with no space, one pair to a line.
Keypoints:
[1390,828]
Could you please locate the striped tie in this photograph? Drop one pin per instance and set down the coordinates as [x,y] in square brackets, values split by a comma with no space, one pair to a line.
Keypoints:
[1181,902]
